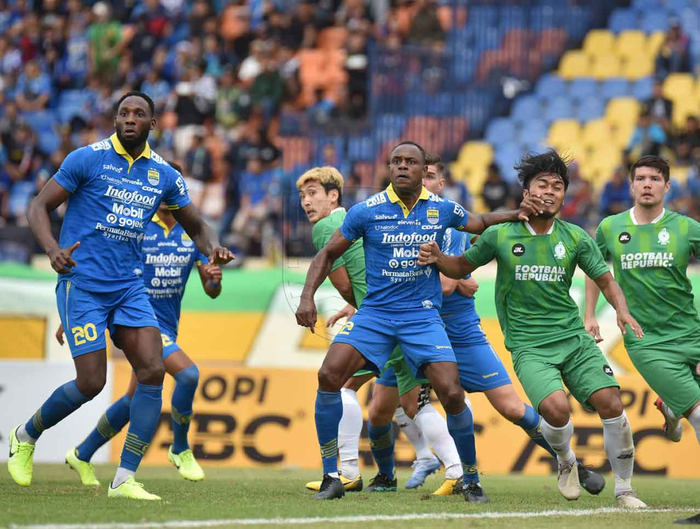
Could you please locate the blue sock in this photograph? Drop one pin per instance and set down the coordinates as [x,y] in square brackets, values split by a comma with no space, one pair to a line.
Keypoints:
[144,416]
[531,424]
[181,409]
[461,428]
[62,402]
[109,425]
[329,411]
[381,441]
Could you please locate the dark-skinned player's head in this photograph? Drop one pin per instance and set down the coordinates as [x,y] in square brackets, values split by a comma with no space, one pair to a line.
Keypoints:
[434,179]
[546,176]
[134,119]
[650,180]
[407,168]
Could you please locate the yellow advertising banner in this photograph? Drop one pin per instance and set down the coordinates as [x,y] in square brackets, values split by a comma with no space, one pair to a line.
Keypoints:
[255,417]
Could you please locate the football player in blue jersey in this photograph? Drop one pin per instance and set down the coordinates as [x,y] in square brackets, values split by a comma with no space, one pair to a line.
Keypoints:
[401,307]
[115,186]
[168,258]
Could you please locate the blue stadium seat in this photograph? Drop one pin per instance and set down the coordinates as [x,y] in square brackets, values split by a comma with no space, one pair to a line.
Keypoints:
[48,142]
[551,85]
[42,121]
[590,108]
[643,88]
[577,21]
[526,108]
[644,5]
[677,5]
[690,22]
[583,87]
[623,19]
[614,87]
[558,108]
[654,20]
[361,148]
[480,16]
[500,130]
[506,156]
[512,17]
[533,131]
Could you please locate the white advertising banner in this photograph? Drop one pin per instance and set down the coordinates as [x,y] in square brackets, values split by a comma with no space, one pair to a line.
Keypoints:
[24,386]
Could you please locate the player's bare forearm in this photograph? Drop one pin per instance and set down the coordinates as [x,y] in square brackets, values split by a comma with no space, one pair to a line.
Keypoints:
[49,198]
[341,281]
[211,277]
[454,266]
[479,223]
[203,236]
[448,285]
[592,295]
[322,264]
[612,292]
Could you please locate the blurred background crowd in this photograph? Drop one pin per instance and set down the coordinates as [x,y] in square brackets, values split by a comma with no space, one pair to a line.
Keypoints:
[250,93]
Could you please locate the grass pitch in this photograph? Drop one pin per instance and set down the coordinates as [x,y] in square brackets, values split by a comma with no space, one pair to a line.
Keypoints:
[56,497]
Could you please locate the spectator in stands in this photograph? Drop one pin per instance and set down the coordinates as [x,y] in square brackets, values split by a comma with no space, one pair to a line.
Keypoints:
[356,64]
[330,157]
[230,99]
[320,112]
[268,87]
[496,191]
[658,107]
[426,29]
[616,196]
[105,36]
[686,145]
[673,55]
[456,191]
[355,14]
[579,207]
[648,138]
[10,57]
[692,187]
[33,88]
[157,88]
[676,198]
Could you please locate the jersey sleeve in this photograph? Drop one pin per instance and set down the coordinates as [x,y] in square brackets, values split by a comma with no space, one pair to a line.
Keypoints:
[602,242]
[454,243]
[485,249]
[355,222]
[458,216]
[200,258]
[74,169]
[322,233]
[694,237]
[590,259]
[176,195]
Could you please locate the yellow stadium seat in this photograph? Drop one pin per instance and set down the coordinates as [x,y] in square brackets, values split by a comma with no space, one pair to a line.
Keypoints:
[577,151]
[630,43]
[622,111]
[680,173]
[606,155]
[575,63]
[654,42]
[621,134]
[638,65]
[606,66]
[475,154]
[475,179]
[599,42]
[679,86]
[596,132]
[683,108]
[564,132]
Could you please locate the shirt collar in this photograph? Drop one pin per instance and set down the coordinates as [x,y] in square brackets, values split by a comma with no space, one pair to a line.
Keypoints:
[119,149]
[162,224]
[532,231]
[394,198]
[657,219]
[339,208]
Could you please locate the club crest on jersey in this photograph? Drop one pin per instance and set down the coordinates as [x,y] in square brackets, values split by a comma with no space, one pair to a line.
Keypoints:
[186,240]
[153,177]
[624,237]
[433,216]
[664,237]
[560,251]
[518,250]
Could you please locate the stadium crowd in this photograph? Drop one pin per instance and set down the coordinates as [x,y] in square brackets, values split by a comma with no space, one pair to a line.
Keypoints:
[221,73]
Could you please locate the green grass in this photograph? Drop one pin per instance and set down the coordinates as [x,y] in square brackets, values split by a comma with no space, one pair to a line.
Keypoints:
[56,497]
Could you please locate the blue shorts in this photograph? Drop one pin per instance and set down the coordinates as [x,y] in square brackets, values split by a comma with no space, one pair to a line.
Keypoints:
[423,341]
[480,368]
[169,339]
[85,315]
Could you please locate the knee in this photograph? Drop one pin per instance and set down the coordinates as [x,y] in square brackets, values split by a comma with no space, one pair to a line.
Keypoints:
[513,410]
[410,408]
[329,380]
[152,373]
[379,414]
[610,409]
[555,414]
[91,386]
[452,400]
[188,376]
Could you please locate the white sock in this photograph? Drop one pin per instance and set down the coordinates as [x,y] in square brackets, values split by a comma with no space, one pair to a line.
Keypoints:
[434,428]
[417,439]
[121,476]
[694,419]
[560,440]
[23,436]
[619,447]
[349,431]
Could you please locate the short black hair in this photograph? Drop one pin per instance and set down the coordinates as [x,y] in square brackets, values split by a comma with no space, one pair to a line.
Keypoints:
[408,142]
[655,162]
[432,158]
[533,164]
[142,95]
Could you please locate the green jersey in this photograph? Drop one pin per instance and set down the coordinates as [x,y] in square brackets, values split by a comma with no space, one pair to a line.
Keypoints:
[353,259]
[534,277]
[650,263]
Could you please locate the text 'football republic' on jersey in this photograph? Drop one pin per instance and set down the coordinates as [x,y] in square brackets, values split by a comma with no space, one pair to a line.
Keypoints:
[168,258]
[353,259]
[650,263]
[534,277]
[113,198]
[397,287]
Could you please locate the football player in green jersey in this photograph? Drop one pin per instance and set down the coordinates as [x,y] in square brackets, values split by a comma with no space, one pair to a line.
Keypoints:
[541,322]
[650,248]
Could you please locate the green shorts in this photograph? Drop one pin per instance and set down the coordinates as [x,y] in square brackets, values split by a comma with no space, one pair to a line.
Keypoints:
[576,360]
[397,374]
[670,370]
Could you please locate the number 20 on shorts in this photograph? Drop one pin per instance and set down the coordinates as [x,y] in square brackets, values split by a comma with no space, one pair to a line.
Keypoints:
[87,333]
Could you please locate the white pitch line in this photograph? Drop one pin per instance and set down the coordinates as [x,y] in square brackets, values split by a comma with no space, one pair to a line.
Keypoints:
[347,519]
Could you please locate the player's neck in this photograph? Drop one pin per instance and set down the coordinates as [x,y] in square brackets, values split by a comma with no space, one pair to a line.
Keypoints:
[136,150]
[168,220]
[541,226]
[647,215]
[408,200]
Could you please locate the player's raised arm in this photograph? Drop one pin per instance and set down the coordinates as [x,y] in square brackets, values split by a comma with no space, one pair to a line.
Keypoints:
[341,281]
[613,293]
[318,271]
[531,206]
[590,321]
[49,198]
[203,236]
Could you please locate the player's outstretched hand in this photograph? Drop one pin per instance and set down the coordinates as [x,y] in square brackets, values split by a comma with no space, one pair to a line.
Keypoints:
[214,273]
[221,256]
[306,314]
[348,312]
[429,253]
[592,328]
[627,319]
[59,334]
[531,206]
[61,259]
